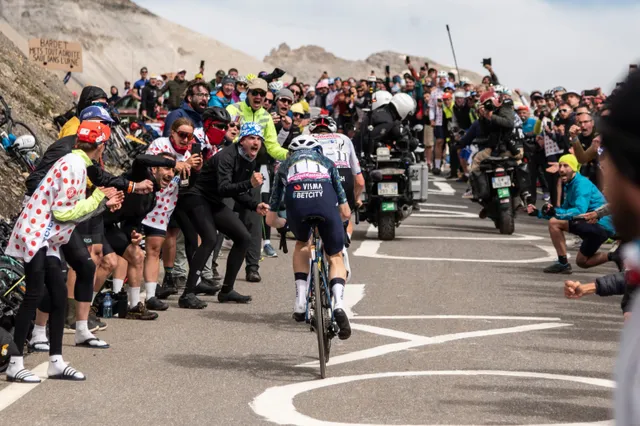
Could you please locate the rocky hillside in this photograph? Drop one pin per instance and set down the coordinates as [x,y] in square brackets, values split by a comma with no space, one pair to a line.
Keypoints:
[118,38]
[32,93]
[308,62]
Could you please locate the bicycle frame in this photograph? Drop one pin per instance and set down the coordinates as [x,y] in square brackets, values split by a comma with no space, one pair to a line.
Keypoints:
[317,261]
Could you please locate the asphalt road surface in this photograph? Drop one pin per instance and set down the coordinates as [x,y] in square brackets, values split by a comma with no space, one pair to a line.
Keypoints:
[452,324]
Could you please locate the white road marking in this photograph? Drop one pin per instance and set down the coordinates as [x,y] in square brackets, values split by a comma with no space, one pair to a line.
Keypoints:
[450,206]
[370,249]
[444,188]
[444,213]
[433,191]
[456,317]
[276,403]
[424,341]
[372,233]
[15,391]
[353,293]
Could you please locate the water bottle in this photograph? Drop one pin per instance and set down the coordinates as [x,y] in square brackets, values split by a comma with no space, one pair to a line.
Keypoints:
[6,143]
[106,307]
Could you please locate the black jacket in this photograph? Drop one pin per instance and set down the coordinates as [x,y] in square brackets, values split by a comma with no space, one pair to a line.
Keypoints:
[499,127]
[463,117]
[149,100]
[58,150]
[136,206]
[226,175]
[387,128]
[615,284]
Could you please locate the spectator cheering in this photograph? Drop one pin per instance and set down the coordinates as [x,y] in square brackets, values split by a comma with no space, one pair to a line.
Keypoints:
[176,89]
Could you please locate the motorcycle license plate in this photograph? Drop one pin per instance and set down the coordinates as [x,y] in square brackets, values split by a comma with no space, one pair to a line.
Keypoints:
[388,206]
[501,182]
[503,193]
[388,188]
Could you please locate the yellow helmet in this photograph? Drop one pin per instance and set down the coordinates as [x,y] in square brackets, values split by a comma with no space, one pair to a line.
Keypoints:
[250,77]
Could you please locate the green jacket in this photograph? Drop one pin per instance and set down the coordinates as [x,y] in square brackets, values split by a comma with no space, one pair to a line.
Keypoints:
[263,118]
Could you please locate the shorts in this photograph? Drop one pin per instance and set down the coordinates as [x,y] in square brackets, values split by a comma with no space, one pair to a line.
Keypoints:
[153,232]
[315,199]
[438,132]
[593,236]
[91,230]
[115,240]
[428,139]
[346,178]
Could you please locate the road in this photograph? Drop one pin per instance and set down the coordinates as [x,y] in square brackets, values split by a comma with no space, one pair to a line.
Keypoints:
[452,324]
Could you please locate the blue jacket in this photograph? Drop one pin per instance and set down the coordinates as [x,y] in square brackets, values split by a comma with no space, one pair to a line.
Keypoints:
[581,196]
[185,110]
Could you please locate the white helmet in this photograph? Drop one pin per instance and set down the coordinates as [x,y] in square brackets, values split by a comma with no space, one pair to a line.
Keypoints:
[323,121]
[443,74]
[276,86]
[380,98]
[24,142]
[404,104]
[305,142]
[460,94]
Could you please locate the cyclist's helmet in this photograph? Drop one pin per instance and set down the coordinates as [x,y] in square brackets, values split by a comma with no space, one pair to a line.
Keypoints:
[323,121]
[216,114]
[242,79]
[276,86]
[303,142]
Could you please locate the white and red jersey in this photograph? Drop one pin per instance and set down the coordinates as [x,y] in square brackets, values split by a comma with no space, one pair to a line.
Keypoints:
[167,198]
[60,190]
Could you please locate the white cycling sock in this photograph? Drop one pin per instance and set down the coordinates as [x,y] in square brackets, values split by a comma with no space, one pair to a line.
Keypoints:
[83,334]
[265,242]
[438,163]
[150,288]
[301,296]
[338,295]
[117,285]
[39,334]
[134,296]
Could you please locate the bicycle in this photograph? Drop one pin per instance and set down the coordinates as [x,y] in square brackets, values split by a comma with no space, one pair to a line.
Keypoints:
[18,140]
[319,312]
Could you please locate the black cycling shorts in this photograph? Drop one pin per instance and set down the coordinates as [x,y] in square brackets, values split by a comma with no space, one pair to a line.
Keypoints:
[153,232]
[348,184]
[315,199]
[593,236]
[92,230]
[115,240]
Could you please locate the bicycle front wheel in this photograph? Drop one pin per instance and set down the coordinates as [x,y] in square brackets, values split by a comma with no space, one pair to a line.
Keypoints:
[321,331]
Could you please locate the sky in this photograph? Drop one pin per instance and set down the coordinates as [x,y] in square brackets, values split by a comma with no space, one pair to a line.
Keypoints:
[534,44]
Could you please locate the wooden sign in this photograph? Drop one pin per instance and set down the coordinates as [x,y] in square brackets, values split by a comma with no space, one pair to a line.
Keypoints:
[56,55]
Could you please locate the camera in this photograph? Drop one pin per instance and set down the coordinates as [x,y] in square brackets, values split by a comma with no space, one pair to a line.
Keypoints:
[489,106]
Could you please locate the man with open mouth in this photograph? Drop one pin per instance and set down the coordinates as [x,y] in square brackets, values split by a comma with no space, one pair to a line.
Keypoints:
[228,174]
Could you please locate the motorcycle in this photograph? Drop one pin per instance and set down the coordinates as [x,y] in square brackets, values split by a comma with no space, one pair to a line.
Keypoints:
[394,181]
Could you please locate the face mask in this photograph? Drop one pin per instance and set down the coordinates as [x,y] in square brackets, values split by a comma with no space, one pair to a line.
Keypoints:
[179,149]
[215,135]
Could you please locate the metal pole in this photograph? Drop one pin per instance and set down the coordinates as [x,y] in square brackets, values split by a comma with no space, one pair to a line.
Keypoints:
[454,53]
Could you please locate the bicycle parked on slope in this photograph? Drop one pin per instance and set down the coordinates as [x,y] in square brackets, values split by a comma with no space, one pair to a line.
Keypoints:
[18,140]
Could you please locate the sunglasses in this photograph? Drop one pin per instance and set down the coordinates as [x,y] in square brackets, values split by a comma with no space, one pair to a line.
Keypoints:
[258,92]
[100,104]
[185,135]
[221,126]
[297,115]
[270,101]
[296,92]
[285,101]
[565,110]
[232,125]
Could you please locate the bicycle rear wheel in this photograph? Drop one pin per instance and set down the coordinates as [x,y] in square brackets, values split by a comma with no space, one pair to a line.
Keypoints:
[321,330]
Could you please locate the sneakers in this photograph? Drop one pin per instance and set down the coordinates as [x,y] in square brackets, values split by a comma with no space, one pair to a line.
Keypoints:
[167,288]
[233,296]
[436,171]
[558,268]
[94,322]
[155,304]
[546,197]
[343,322]
[253,277]
[190,301]
[269,251]
[468,194]
[207,287]
[299,316]
[463,179]
[140,312]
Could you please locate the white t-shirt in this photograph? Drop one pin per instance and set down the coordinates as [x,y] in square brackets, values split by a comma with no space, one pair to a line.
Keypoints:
[60,190]
[167,198]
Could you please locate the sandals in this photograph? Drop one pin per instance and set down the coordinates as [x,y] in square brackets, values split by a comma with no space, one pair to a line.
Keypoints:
[69,373]
[89,343]
[24,376]
[42,346]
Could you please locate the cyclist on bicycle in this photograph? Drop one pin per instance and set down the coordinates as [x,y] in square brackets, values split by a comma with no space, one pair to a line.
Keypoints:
[339,149]
[310,184]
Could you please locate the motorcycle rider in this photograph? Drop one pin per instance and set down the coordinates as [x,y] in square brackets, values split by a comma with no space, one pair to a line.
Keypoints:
[387,124]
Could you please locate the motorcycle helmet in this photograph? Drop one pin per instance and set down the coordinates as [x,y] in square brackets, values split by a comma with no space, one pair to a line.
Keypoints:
[323,121]
[380,98]
[303,142]
[404,104]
